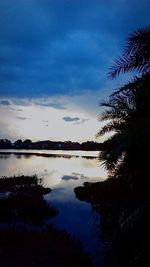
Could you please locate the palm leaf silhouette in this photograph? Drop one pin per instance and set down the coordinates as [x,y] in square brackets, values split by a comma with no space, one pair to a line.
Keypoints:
[128,110]
[136,55]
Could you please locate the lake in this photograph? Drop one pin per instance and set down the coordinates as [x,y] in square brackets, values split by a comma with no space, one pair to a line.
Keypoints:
[62,171]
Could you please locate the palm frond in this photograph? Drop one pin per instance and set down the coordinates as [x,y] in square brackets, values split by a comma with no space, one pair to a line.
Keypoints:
[136,55]
[114,147]
[138,40]
[120,106]
[127,109]
[135,84]
[116,126]
[112,114]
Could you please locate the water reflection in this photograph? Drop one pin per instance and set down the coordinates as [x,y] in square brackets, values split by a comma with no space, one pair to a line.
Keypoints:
[3,156]
[63,174]
[51,153]
[67,177]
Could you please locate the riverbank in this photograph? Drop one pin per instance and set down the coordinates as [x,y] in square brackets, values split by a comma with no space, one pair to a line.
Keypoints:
[24,241]
[124,221]
[49,153]
[50,247]
[21,200]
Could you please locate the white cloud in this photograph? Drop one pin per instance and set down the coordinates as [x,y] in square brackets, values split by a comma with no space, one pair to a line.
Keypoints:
[37,120]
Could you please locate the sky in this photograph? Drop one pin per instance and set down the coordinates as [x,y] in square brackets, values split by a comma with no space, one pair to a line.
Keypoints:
[54,60]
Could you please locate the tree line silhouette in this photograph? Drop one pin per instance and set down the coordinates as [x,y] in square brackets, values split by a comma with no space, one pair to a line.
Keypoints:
[51,145]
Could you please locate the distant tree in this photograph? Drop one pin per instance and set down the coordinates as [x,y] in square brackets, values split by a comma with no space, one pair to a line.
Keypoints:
[18,143]
[5,143]
[2,143]
[27,144]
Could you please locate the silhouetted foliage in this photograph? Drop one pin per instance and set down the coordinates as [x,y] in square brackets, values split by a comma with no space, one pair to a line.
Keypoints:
[24,247]
[5,143]
[26,238]
[51,145]
[123,202]
[136,55]
[18,143]
[21,199]
[125,153]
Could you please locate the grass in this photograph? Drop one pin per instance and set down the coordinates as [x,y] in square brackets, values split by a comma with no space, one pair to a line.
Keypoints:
[14,183]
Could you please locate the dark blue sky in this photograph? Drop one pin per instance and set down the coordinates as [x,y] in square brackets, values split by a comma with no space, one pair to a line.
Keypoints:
[50,47]
[54,59]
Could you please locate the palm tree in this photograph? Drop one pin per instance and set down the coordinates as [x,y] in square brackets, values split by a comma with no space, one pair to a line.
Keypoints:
[128,112]
[136,55]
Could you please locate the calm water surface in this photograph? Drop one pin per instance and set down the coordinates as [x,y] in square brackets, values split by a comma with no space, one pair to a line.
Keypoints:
[62,173]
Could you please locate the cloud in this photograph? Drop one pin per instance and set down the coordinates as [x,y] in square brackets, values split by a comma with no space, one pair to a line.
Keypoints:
[81,176]
[21,118]
[54,105]
[56,102]
[69,177]
[82,121]
[15,109]
[80,112]
[54,59]
[5,103]
[61,47]
[70,119]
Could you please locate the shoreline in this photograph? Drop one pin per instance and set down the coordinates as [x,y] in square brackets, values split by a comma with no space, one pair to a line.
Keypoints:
[124,221]
[24,241]
[51,153]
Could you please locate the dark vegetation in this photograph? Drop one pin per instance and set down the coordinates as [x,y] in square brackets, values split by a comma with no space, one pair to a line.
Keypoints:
[125,220]
[29,248]
[51,145]
[24,238]
[21,200]
[124,199]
